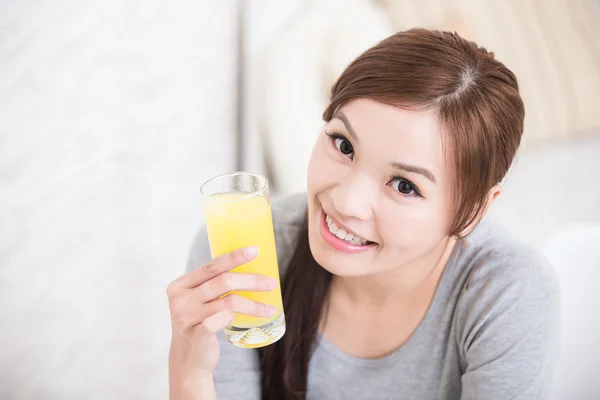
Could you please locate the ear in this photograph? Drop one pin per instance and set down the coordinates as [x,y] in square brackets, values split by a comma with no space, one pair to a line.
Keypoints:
[492,195]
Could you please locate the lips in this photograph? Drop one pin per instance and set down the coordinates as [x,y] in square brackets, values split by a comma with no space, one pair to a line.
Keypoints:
[342,240]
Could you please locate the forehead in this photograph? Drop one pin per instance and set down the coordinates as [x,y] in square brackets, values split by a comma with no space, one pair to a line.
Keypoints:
[396,134]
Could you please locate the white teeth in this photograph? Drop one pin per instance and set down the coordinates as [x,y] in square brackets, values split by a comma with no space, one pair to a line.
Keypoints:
[342,234]
[332,227]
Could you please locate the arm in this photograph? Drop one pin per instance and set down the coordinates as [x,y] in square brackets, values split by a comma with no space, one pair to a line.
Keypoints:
[510,322]
[181,388]
[238,374]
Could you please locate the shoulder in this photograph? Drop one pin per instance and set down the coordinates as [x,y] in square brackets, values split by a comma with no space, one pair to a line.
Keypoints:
[507,317]
[509,289]
[289,213]
[495,259]
[288,218]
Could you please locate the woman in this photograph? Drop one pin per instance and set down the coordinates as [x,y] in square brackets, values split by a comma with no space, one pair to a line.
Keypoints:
[394,287]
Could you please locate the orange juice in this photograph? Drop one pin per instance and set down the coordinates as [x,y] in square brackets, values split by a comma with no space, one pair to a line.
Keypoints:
[236,220]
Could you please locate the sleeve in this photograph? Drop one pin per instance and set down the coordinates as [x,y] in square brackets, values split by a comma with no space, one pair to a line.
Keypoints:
[238,374]
[509,339]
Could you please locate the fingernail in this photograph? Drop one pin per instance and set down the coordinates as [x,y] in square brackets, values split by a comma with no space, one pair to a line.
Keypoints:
[271,309]
[251,251]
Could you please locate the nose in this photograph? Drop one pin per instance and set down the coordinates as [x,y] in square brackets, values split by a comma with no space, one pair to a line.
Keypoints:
[353,197]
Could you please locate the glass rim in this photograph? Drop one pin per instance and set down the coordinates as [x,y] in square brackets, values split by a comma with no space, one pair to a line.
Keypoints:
[261,178]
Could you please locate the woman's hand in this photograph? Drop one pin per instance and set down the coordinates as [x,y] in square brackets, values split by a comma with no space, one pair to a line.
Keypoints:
[200,306]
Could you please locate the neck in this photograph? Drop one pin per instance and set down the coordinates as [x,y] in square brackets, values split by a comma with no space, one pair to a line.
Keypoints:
[405,283]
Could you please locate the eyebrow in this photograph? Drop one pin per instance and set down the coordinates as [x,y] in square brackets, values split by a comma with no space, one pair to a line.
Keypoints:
[342,117]
[412,168]
[397,165]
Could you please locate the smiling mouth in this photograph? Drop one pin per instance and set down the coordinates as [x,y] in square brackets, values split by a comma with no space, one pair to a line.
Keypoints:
[344,235]
[340,239]
[340,233]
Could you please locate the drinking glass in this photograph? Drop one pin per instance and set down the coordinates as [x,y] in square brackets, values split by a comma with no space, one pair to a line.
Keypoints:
[237,210]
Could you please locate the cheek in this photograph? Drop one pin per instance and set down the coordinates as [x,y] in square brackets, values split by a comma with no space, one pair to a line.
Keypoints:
[413,226]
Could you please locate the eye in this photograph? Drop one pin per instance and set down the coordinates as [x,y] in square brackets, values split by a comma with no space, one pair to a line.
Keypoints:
[404,187]
[342,144]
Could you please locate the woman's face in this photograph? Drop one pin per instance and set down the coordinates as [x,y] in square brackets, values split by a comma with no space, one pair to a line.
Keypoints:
[379,191]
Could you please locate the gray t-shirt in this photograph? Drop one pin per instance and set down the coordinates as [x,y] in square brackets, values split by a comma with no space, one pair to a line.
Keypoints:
[491,332]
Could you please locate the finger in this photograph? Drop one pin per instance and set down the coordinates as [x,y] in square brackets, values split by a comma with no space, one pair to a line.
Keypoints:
[232,281]
[195,314]
[242,305]
[217,322]
[237,304]
[218,265]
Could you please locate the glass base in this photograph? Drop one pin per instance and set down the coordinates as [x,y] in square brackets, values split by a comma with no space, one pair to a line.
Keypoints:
[260,336]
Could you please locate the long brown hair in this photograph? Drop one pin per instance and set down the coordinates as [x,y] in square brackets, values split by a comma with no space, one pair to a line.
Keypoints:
[477,103]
